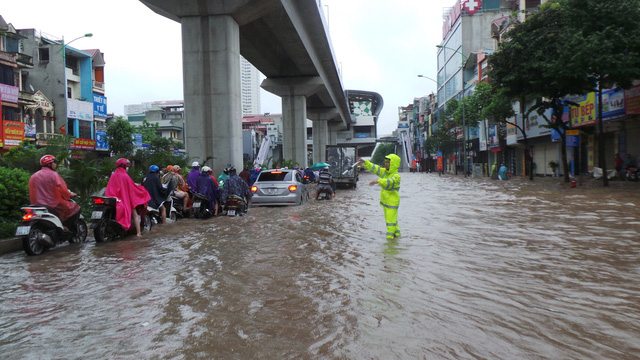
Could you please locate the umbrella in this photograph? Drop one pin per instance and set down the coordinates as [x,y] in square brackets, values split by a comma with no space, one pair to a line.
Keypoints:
[319,166]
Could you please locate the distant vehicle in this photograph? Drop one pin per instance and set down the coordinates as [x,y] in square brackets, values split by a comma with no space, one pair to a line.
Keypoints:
[342,160]
[279,187]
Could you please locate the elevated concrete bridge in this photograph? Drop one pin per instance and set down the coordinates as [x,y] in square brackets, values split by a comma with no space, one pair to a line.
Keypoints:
[287,41]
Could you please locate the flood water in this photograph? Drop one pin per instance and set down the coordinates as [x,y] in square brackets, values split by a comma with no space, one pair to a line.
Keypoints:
[484,270]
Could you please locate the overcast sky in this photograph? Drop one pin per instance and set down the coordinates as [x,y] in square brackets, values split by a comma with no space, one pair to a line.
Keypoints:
[380,46]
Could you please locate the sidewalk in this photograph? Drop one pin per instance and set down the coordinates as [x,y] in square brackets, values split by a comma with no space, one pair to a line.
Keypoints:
[10,245]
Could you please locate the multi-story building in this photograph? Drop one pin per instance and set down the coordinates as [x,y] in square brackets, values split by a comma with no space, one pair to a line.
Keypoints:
[467,37]
[168,115]
[14,100]
[68,79]
[250,87]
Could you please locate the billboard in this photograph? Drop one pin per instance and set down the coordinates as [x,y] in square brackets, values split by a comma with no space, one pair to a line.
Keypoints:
[99,106]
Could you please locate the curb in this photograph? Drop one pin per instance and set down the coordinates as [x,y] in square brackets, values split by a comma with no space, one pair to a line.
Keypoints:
[10,245]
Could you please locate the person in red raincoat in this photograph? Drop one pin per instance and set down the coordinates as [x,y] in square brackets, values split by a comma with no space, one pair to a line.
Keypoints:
[46,187]
[122,187]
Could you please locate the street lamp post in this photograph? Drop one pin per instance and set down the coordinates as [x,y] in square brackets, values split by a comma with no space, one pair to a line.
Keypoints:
[464,132]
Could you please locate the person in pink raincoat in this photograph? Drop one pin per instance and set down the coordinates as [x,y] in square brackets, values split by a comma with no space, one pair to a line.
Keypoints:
[46,187]
[122,187]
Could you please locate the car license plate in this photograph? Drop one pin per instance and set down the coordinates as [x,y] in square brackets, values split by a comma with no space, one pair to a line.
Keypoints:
[96,215]
[23,230]
[231,212]
[196,204]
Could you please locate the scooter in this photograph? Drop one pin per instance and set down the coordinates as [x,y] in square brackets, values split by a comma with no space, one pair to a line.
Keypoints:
[156,217]
[200,209]
[42,230]
[324,194]
[103,219]
[235,205]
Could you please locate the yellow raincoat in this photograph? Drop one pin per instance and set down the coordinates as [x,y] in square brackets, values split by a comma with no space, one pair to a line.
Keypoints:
[389,192]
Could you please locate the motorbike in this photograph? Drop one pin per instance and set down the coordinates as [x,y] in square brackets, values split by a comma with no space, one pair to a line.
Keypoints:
[631,173]
[324,194]
[180,211]
[235,206]
[156,217]
[200,210]
[41,230]
[103,220]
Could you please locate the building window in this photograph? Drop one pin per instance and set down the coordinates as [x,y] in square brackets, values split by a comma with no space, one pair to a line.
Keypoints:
[84,129]
[44,55]
[68,92]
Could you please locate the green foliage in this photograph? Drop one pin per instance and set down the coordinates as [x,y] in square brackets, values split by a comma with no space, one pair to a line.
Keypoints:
[120,134]
[382,150]
[14,193]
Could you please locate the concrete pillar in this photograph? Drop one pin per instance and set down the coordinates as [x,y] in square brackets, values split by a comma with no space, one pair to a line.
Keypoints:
[294,129]
[333,134]
[320,139]
[213,107]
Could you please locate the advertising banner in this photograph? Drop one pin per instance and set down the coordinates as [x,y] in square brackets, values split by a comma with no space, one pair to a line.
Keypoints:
[613,105]
[82,144]
[493,137]
[13,133]
[102,141]
[632,100]
[77,109]
[9,93]
[99,106]
[585,113]
[439,160]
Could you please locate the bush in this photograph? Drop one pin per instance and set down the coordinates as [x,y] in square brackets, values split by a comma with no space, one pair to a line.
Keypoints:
[14,193]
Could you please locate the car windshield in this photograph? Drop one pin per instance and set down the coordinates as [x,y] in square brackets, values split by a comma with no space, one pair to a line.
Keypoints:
[275,176]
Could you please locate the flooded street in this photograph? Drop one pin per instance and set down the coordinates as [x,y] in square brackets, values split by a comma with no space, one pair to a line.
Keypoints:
[484,270]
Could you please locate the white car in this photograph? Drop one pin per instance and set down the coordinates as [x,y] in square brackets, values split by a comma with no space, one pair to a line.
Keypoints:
[279,187]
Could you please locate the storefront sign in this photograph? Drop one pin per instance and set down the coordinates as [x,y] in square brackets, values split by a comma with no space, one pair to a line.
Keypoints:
[83,144]
[451,19]
[9,93]
[471,6]
[13,133]
[41,103]
[439,161]
[613,104]
[573,137]
[585,113]
[102,141]
[632,100]
[77,109]
[99,106]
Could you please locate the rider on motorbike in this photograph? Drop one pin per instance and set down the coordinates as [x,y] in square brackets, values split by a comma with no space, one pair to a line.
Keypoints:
[130,195]
[46,187]
[192,177]
[210,189]
[234,185]
[176,182]
[158,193]
[325,181]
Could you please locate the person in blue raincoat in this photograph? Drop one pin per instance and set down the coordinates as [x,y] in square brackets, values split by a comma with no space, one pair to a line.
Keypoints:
[503,173]
[389,191]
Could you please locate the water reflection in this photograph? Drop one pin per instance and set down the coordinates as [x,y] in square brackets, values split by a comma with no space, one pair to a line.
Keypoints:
[484,269]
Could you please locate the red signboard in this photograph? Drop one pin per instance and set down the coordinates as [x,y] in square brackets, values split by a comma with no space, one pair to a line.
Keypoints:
[83,144]
[471,6]
[13,133]
[632,100]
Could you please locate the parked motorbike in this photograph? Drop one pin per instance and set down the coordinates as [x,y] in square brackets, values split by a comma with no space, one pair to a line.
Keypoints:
[41,230]
[103,219]
[235,206]
[200,210]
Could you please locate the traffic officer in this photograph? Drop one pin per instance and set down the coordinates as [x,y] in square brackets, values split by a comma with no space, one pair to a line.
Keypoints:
[389,190]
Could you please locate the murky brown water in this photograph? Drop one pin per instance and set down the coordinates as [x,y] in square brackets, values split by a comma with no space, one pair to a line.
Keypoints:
[484,270]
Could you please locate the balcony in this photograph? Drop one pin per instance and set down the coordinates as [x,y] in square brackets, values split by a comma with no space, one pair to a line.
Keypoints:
[98,86]
[25,61]
[8,58]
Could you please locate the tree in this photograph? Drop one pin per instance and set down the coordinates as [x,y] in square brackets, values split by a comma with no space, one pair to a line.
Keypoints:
[120,134]
[606,48]
[535,64]
[382,150]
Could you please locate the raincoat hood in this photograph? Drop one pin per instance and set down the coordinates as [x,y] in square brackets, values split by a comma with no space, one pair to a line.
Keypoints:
[394,163]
